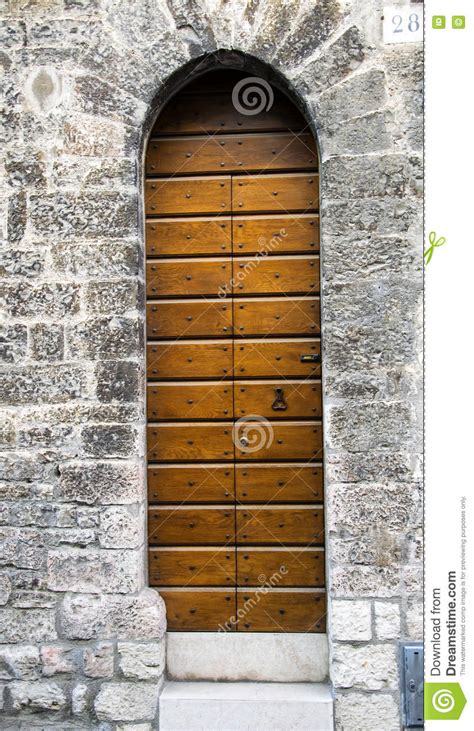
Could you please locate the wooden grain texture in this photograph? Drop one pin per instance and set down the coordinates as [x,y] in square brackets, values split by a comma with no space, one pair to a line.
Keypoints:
[296,233]
[186,402]
[279,358]
[280,193]
[230,153]
[190,442]
[204,611]
[187,277]
[166,196]
[196,236]
[281,611]
[280,567]
[276,275]
[181,526]
[278,399]
[275,525]
[182,484]
[275,441]
[279,483]
[277,316]
[189,319]
[211,112]
[189,360]
[213,566]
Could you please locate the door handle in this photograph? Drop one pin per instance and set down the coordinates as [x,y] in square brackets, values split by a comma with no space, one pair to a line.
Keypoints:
[279,404]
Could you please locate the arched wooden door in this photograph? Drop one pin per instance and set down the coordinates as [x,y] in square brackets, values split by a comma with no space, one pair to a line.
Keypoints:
[234,393]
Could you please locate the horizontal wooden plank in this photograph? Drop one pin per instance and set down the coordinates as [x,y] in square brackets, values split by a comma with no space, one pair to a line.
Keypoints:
[190,484]
[190,442]
[188,236]
[166,196]
[183,526]
[276,275]
[230,153]
[289,399]
[281,193]
[278,483]
[211,112]
[291,526]
[281,611]
[280,568]
[193,610]
[266,441]
[213,566]
[189,359]
[277,316]
[188,277]
[189,319]
[289,233]
[277,358]
[186,401]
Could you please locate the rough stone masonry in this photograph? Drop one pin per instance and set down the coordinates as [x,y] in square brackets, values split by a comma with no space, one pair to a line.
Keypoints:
[83,636]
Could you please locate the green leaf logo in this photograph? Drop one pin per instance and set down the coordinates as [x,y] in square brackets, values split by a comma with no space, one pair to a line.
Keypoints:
[443,701]
[434,244]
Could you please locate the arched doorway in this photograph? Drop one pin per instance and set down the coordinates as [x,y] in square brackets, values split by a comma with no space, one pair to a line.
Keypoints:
[234,403]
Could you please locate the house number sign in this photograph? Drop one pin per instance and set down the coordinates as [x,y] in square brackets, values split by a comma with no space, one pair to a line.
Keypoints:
[403,24]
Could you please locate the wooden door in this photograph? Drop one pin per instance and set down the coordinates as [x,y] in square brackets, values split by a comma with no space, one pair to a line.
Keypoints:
[236,525]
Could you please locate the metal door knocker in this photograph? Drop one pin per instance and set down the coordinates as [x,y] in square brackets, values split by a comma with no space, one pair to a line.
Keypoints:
[279,404]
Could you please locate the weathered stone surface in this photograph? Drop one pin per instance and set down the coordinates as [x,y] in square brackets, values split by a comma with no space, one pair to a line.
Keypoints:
[25,168]
[387,620]
[99,660]
[123,617]
[372,176]
[86,136]
[369,667]
[51,300]
[360,426]
[102,483]
[20,262]
[39,696]
[5,589]
[358,508]
[377,547]
[414,621]
[96,260]
[107,337]
[144,661]
[387,217]
[59,659]
[47,342]
[361,93]
[109,440]
[117,298]
[311,31]
[13,343]
[38,384]
[126,701]
[122,527]
[118,381]
[84,570]
[365,581]
[97,97]
[32,625]
[351,620]
[79,699]
[368,133]
[364,711]
[19,662]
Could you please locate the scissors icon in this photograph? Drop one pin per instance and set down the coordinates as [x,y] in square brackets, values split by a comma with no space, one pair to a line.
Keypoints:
[434,244]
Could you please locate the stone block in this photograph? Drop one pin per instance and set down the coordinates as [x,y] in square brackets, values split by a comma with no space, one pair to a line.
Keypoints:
[99,660]
[21,263]
[127,618]
[58,659]
[39,384]
[127,701]
[12,34]
[366,712]
[143,661]
[387,620]
[99,571]
[19,662]
[51,300]
[110,440]
[364,507]
[351,620]
[81,215]
[25,168]
[37,697]
[96,260]
[47,341]
[16,221]
[368,667]
[96,97]
[86,136]
[357,427]
[112,298]
[370,133]
[352,582]
[373,216]
[5,589]
[79,699]
[102,483]
[105,338]
[377,547]
[122,527]
[13,343]
[308,34]
[118,381]
[414,620]
[357,96]
[32,625]
[369,176]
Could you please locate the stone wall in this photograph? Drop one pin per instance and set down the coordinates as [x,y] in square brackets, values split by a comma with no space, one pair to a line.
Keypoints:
[83,80]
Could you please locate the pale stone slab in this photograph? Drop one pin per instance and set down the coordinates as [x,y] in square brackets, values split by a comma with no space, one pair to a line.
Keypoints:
[245,707]
[283,658]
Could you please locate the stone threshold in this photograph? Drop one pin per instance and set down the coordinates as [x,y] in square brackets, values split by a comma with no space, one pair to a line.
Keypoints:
[245,706]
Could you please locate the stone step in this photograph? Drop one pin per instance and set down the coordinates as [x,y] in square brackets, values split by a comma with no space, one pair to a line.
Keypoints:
[245,706]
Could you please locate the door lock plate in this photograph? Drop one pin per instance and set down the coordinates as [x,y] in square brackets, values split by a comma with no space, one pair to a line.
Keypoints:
[310,358]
